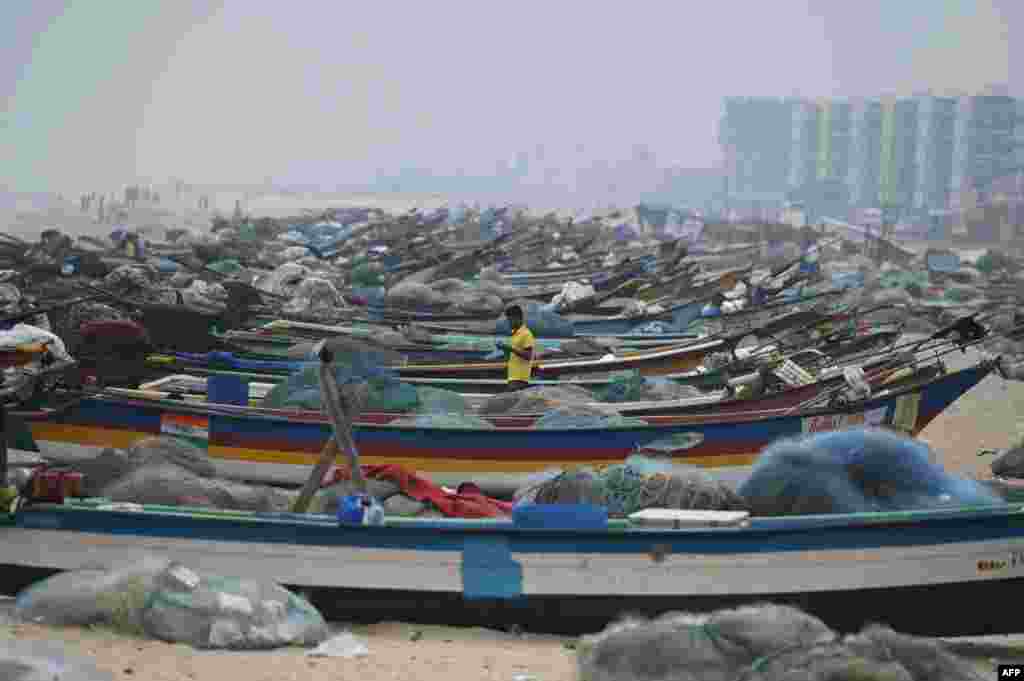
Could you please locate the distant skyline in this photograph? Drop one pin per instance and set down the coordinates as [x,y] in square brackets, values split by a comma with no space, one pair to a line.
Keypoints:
[99,93]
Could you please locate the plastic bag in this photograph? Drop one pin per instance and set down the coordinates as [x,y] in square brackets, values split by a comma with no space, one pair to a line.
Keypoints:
[344,645]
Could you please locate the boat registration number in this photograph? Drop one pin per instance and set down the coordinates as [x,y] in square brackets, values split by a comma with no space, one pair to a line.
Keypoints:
[827,422]
[1014,561]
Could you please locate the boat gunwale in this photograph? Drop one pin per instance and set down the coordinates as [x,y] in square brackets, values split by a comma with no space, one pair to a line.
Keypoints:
[617,528]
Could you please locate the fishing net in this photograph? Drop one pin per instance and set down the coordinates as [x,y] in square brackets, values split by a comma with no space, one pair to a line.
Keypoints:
[631,386]
[314,296]
[210,611]
[166,600]
[170,485]
[462,421]
[923,658]
[365,377]
[584,416]
[367,275]
[854,471]
[536,399]
[540,320]
[113,464]
[439,401]
[761,643]
[633,486]
[684,647]
[113,595]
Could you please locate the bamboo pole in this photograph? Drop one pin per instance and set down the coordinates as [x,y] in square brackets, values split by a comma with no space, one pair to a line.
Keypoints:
[341,441]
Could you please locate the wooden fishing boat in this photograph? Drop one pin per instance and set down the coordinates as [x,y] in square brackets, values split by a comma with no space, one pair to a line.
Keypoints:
[281,445]
[883,371]
[664,361]
[747,360]
[679,316]
[565,569]
[653,362]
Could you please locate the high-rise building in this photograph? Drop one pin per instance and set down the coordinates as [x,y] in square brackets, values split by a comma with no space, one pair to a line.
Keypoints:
[834,137]
[909,155]
[1019,136]
[935,145]
[897,175]
[986,143]
[803,165]
[865,149]
[755,134]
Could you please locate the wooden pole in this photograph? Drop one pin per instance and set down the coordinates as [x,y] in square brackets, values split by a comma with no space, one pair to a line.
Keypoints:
[341,415]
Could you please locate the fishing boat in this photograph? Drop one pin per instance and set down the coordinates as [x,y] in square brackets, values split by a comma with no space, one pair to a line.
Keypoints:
[565,569]
[281,445]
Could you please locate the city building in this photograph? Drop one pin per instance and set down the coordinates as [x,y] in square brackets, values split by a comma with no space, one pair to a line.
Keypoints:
[897,175]
[935,145]
[865,148]
[909,156]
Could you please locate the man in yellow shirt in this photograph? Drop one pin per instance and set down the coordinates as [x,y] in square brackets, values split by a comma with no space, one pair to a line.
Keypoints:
[520,357]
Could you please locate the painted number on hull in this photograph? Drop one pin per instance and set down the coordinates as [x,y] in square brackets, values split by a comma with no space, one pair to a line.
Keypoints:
[1014,561]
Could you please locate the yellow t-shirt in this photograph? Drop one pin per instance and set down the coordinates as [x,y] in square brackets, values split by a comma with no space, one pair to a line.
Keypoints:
[519,369]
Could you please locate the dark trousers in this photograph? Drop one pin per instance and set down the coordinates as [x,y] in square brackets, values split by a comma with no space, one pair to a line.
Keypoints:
[516,385]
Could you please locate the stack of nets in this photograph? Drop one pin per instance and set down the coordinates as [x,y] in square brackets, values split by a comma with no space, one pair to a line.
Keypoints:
[627,488]
[631,386]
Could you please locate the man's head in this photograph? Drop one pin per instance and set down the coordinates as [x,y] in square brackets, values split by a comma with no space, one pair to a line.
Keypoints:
[514,314]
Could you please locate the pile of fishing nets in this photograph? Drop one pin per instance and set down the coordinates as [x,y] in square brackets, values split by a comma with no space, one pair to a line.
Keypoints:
[173,603]
[449,294]
[761,643]
[631,386]
[314,296]
[542,321]
[379,388]
[171,471]
[858,470]
[637,484]
[466,421]
[537,399]
[584,416]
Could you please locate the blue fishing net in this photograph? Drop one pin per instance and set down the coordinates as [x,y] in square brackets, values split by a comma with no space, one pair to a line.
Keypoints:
[386,391]
[543,322]
[858,470]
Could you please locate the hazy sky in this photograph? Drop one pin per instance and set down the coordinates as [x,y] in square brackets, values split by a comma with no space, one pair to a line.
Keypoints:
[97,92]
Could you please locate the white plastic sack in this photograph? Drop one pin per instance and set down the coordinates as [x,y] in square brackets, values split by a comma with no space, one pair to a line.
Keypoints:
[23,334]
[572,292]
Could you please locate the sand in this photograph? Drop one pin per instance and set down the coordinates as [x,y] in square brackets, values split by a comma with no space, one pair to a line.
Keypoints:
[396,652]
